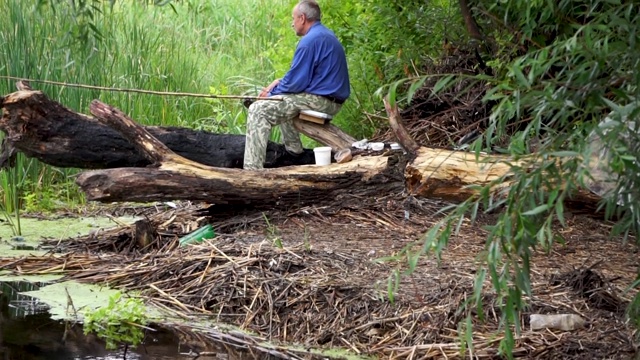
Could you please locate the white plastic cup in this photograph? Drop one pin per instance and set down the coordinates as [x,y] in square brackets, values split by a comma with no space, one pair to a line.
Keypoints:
[376,146]
[322,155]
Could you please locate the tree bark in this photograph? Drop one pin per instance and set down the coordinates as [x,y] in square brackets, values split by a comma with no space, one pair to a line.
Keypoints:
[44,129]
[178,178]
[404,139]
[469,21]
[53,133]
[327,134]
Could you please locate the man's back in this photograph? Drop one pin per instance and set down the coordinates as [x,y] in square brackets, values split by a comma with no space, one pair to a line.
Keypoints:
[331,76]
[319,66]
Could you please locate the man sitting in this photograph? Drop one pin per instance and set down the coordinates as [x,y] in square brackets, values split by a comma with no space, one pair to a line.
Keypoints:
[317,80]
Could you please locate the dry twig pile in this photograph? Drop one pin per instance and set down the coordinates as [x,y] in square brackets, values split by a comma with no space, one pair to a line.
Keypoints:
[324,287]
[443,119]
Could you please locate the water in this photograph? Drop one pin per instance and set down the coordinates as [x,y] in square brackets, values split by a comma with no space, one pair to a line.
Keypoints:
[28,333]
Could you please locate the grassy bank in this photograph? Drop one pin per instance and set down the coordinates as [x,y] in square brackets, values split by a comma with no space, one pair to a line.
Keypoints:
[224,47]
[211,47]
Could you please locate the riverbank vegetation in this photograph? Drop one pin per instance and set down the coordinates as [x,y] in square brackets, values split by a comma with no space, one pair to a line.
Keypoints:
[532,80]
[219,47]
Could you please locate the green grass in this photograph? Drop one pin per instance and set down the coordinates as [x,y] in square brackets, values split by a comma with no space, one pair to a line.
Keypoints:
[210,47]
[213,46]
[223,47]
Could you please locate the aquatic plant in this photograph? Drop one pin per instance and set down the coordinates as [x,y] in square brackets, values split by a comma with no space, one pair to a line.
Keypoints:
[122,322]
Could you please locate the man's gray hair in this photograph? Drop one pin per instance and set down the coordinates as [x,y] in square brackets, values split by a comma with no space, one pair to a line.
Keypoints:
[310,9]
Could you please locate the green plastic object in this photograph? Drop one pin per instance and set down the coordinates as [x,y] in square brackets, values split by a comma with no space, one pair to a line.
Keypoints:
[205,232]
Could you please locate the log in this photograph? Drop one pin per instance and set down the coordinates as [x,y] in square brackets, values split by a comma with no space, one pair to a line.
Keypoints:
[431,173]
[46,130]
[41,126]
[450,174]
[178,178]
[404,139]
[271,187]
[327,134]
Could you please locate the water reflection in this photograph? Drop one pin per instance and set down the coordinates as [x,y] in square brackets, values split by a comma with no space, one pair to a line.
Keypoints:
[28,333]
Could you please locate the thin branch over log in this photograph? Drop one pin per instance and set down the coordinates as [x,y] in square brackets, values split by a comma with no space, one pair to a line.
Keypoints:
[327,134]
[472,26]
[405,140]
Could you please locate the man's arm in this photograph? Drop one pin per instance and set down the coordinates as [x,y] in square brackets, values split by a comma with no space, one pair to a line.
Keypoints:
[298,78]
[268,89]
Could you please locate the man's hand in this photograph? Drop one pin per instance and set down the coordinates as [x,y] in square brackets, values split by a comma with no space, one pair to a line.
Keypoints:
[266,90]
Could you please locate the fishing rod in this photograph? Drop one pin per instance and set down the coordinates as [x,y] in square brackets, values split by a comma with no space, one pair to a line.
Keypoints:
[139,91]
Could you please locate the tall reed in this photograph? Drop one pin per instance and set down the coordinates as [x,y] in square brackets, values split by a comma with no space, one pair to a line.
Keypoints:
[199,46]
[219,47]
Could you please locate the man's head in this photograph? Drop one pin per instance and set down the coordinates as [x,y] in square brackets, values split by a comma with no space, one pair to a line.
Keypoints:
[305,14]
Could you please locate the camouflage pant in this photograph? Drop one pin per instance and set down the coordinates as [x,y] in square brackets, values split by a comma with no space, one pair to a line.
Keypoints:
[263,114]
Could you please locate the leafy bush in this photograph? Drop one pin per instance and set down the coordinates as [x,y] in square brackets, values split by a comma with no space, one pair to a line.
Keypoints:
[566,74]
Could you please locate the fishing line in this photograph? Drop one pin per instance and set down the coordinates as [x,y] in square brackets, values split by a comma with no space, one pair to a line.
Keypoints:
[139,91]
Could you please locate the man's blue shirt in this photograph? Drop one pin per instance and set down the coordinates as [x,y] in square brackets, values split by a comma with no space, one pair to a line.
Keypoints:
[319,66]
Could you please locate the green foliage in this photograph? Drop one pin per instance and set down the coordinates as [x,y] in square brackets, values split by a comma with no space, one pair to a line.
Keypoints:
[279,38]
[386,41]
[120,322]
[567,68]
[84,13]
[15,183]
[10,200]
[273,233]
[201,46]
[43,199]
[633,311]
[188,47]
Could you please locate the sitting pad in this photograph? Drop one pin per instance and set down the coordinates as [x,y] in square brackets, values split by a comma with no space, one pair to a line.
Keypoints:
[315,116]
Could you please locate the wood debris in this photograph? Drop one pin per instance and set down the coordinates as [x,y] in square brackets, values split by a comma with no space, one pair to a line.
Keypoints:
[324,287]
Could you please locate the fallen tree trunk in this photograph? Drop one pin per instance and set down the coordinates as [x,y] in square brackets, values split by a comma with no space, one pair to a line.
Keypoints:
[177,178]
[44,129]
[167,175]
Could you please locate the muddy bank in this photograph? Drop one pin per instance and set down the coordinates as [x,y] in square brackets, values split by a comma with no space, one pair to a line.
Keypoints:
[312,277]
